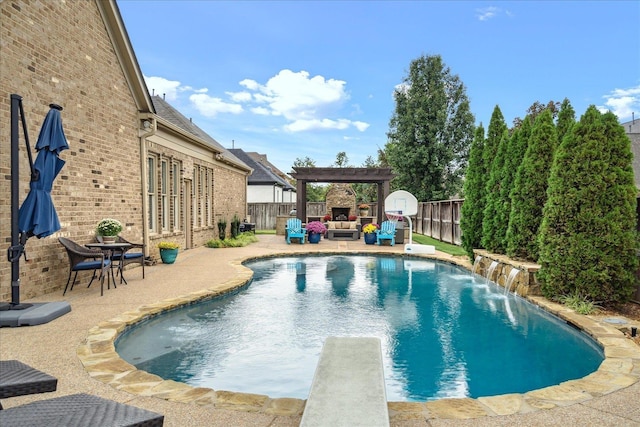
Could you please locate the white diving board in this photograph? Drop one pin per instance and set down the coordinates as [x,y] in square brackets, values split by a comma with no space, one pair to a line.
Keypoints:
[348,385]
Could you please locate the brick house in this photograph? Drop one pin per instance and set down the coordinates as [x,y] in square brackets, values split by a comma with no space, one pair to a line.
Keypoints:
[127,160]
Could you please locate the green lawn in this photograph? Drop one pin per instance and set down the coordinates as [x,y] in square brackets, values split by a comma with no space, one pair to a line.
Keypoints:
[440,246]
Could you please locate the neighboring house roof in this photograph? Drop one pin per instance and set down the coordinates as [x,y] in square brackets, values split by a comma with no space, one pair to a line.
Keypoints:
[262,175]
[262,158]
[165,111]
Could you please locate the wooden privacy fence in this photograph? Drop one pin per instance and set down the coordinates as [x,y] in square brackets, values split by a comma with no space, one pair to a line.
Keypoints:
[264,214]
[440,220]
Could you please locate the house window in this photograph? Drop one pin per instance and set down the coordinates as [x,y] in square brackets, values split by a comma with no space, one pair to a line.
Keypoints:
[175,194]
[203,199]
[152,197]
[164,196]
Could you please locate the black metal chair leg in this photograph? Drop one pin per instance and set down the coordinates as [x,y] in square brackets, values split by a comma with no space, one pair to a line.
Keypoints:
[92,277]
[67,285]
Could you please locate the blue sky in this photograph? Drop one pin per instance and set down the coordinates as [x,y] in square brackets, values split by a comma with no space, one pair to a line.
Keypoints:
[296,79]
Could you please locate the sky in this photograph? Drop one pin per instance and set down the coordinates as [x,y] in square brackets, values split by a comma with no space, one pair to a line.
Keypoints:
[309,79]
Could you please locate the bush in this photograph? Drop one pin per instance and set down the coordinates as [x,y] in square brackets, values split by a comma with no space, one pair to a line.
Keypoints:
[243,239]
[588,240]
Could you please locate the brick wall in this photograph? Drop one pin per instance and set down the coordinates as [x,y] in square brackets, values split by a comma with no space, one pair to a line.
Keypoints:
[54,51]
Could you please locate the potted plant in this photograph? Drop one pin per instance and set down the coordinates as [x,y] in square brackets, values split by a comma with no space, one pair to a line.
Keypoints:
[326,218]
[109,228]
[235,226]
[168,251]
[369,231]
[315,229]
[364,209]
[352,217]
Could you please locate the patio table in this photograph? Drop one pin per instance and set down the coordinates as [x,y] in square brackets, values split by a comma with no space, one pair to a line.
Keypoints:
[118,247]
[17,379]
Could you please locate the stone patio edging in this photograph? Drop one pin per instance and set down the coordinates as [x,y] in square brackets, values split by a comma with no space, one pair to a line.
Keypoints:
[620,369]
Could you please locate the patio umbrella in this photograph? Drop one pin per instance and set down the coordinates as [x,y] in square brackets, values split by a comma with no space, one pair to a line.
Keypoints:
[37,215]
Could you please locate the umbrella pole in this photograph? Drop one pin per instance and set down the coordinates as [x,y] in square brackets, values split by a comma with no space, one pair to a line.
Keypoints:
[17,248]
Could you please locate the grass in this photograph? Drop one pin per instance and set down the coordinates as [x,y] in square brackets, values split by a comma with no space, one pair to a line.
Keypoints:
[440,246]
[579,303]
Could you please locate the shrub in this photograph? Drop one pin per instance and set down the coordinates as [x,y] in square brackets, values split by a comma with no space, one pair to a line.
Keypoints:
[243,239]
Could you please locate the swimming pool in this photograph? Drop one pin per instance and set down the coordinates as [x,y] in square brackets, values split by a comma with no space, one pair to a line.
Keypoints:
[444,332]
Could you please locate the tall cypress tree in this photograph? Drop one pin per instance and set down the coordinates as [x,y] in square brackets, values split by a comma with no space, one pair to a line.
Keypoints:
[530,189]
[493,230]
[495,134]
[566,119]
[474,196]
[588,240]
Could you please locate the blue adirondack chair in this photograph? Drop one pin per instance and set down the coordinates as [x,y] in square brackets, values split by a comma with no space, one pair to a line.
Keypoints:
[387,231]
[294,229]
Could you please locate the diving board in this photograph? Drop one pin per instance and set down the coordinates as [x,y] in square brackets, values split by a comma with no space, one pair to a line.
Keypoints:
[348,385]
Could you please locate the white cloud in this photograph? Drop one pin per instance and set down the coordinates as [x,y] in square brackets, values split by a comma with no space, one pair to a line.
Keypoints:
[487,13]
[239,96]
[261,111]
[209,106]
[315,124]
[305,102]
[161,86]
[622,102]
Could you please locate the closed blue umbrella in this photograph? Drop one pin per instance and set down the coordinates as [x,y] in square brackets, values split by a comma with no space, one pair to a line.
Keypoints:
[37,215]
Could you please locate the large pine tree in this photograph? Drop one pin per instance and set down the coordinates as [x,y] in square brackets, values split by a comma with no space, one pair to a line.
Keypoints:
[474,195]
[588,240]
[530,189]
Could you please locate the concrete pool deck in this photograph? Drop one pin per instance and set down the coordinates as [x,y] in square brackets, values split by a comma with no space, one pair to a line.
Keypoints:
[77,348]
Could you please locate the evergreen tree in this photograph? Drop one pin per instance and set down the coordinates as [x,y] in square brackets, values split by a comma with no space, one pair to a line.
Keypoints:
[566,119]
[430,131]
[495,133]
[588,240]
[494,226]
[474,196]
[530,189]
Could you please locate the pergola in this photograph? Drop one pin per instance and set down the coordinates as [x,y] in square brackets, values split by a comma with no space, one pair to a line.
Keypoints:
[379,176]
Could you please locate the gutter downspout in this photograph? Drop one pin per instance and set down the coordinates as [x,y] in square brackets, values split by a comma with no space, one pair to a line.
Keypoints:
[149,127]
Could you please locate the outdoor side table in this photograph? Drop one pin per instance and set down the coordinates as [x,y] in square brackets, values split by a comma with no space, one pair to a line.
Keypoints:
[17,379]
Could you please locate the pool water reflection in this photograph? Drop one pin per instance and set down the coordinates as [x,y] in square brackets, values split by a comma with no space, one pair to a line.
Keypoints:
[444,332]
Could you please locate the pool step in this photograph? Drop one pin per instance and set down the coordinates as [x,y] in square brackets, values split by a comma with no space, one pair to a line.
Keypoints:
[348,385]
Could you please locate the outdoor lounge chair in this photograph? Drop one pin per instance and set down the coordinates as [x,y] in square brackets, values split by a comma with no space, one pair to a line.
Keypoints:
[294,229]
[85,259]
[387,231]
[129,257]
[79,410]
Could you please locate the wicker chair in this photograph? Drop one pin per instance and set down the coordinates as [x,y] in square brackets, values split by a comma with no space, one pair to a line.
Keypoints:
[85,259]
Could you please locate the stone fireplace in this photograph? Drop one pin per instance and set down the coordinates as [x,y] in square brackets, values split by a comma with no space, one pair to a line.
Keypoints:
[341,202]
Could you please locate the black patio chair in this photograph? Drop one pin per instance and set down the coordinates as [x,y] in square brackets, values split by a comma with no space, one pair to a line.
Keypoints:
[85,259]
[129,257]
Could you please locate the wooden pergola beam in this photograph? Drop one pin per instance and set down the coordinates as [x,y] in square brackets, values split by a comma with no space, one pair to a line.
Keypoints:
[379,176]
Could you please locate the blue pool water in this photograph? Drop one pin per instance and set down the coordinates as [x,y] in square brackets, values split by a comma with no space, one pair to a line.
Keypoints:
[444,331]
